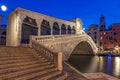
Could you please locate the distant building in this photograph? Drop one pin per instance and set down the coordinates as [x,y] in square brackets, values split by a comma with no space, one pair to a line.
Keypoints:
[109,39]
[1,19]
[106,39]
[3,34]
[93,31]
[102,23]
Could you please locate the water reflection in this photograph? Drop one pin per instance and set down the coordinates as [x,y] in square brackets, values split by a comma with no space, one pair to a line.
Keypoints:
[100,63]
[109,65]
[117,66]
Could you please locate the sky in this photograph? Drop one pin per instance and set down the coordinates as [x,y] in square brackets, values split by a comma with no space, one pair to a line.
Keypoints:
[89,11]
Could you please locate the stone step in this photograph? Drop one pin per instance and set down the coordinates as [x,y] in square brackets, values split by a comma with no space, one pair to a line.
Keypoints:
[23,72]
[28,76]
[61,76]
[20,60]
[14,58]
[15,55]
[47,75]
[17,68]
[20,63]
[17,60]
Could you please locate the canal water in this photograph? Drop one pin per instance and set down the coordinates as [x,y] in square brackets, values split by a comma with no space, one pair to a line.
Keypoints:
[89,64]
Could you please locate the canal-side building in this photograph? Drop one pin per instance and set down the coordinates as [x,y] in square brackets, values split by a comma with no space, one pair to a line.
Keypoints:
[106,39]
[28,23]
[93,31]
[110,38]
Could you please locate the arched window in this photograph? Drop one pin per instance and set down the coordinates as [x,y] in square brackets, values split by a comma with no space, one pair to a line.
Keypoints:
[56,30]
[29,27]
[45,28]
[4,33]
[63,29]
[73,30]
[69,30]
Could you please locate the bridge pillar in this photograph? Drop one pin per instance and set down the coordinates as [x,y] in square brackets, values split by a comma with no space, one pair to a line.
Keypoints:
[78,23]
[13,29]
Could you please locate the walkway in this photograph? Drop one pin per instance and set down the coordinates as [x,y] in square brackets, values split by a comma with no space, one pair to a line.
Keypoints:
[73,74]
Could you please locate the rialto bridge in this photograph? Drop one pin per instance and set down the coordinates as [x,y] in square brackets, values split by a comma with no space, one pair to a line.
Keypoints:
[53,34]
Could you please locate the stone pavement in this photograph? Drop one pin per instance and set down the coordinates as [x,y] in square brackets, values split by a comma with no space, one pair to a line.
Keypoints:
[99,76]
[74,74]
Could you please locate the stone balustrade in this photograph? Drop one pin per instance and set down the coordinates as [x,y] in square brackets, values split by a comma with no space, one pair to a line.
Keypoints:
[61,38]
[64,43]
[54,57]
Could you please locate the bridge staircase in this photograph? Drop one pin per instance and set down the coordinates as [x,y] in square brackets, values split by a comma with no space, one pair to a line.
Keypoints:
[22,63]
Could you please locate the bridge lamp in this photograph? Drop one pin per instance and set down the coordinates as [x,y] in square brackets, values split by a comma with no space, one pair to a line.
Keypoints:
[3,7]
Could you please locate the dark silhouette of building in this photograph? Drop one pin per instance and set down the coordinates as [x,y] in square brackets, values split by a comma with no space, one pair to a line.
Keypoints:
[102,23]
[3,34]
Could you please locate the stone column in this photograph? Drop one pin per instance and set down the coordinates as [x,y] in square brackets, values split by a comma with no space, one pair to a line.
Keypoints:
[66,29]
[51,26]
[79,29]
[59,28]
[39,21]
[21,18]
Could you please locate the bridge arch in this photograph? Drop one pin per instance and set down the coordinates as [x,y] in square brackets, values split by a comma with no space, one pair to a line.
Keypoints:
[83,48]
[63,29]
[45,28]
[83,45]
[69,29]
[56,29]
[29,27]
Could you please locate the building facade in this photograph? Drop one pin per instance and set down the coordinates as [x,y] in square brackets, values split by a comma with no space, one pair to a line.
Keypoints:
[105,39]
[22,23]
[3,34]
[110,38]
[93,31]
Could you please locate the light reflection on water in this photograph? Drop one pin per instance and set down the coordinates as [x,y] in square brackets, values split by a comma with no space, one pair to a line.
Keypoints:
[117,66]
[88,64]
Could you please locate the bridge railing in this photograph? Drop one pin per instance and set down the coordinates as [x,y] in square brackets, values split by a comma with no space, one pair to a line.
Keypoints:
[54,57]
[60,38]
[55,37]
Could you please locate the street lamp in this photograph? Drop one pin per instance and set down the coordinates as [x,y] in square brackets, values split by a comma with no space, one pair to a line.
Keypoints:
[4,8]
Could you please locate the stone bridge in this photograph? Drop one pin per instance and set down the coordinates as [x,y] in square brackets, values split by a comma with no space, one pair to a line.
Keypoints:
[56,34]
[68,44]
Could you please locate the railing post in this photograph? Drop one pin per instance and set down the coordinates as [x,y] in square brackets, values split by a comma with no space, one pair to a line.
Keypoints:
[57,60]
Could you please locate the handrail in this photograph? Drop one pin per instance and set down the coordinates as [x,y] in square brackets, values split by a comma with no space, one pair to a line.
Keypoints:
[56,38]
[54,57]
